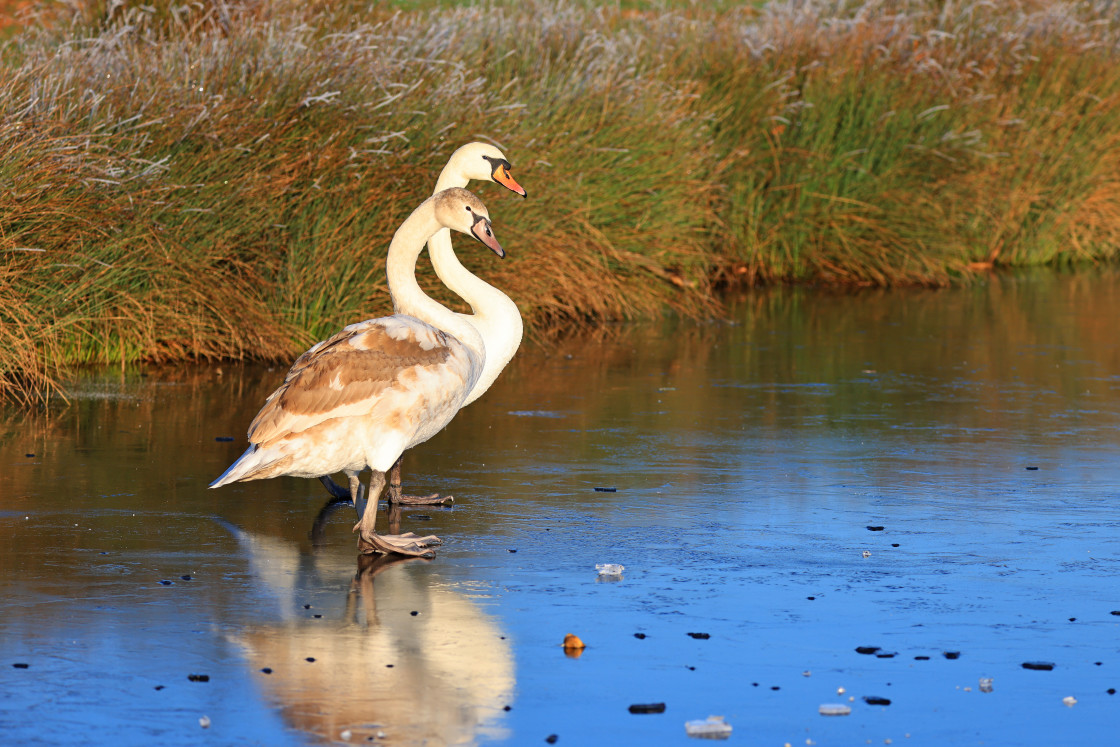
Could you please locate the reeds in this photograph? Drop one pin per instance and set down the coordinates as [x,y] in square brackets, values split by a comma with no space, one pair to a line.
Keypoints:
[221,179]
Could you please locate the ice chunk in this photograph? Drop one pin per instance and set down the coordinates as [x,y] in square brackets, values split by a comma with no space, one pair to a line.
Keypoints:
[834,709]
[609,569]
[712,727]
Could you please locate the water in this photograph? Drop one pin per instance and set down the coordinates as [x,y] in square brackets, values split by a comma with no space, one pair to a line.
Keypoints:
[979,427]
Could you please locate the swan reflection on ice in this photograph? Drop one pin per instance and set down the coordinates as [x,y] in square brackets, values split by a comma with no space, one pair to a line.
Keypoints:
[397,655]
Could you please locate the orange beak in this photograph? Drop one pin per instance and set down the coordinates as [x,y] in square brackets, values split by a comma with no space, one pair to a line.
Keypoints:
[501,176]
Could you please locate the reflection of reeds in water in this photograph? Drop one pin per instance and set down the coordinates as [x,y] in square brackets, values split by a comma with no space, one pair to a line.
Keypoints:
[984,341]
[414,660]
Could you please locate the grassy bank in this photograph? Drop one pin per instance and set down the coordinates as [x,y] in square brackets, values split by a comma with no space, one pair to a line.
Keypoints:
[221,180]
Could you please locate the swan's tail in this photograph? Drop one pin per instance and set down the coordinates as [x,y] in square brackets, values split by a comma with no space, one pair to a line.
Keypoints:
[255,464]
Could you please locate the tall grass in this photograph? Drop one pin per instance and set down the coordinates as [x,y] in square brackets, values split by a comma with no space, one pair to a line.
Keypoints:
[221,179]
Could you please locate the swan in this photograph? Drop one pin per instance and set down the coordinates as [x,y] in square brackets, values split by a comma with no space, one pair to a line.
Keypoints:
[362,397]
[496,317]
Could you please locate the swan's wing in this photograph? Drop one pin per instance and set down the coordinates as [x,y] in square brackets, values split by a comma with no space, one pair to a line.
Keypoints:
[349,373]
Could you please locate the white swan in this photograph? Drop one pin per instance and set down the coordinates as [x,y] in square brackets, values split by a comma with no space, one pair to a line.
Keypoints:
[378,387]
[496,317]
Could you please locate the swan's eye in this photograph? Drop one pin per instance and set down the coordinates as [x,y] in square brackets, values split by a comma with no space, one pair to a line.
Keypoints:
[468,208]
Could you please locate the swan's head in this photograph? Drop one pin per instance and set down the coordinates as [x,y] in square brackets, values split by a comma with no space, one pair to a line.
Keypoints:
[462,211]
[483,162]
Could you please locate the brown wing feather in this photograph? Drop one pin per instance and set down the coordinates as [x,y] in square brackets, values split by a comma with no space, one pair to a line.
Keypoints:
[352,367]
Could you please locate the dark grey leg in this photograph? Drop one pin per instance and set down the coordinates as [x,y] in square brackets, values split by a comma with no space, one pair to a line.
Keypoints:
[395,495]
[336,490]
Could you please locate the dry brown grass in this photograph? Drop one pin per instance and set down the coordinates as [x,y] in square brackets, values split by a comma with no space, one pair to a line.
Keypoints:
[220,179]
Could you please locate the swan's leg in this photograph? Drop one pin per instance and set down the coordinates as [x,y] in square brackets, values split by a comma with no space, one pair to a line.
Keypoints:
[357,495]
[395,495]
[336,490]
[369,541]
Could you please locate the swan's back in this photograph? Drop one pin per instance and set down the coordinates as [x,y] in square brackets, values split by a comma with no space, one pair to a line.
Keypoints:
[359,399]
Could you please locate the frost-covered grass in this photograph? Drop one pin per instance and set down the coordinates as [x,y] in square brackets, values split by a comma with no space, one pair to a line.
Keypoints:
[221,179]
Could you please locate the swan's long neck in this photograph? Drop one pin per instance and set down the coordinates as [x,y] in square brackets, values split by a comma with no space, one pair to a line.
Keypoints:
[408,297]
[496,317]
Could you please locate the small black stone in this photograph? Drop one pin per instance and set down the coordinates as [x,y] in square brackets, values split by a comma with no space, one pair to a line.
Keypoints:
[1038,666]
[507,708]
[512,549]
[921,658]
[690,668]
[223,438]
[307,606]
[551,738]
[867,649]
[811,598]
[388,666]
[886,655]
[647,708]
[29,456]
[876,700]
[1073,619]
[21,665]
[894,544]
[198,677]
[640,636]
[1032,469]
[317,617]
[414,613]
[700,636]
[1097,663]
[606,490]
[775,687]
[267,670]
[159,687]
[310,658]
[1115,612]
[1111,691]
[165,582]
[186,577]
[875,529]
[952,654]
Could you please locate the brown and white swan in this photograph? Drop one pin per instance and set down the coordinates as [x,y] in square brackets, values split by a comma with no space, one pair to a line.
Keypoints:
[361,398]
[495,316]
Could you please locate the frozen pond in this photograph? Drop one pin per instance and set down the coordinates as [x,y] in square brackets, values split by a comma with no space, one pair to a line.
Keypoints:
[934,475]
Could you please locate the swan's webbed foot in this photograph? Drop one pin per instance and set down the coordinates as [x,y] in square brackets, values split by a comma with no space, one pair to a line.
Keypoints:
[369,541]
[409,544]
[435,499]
[395,495]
